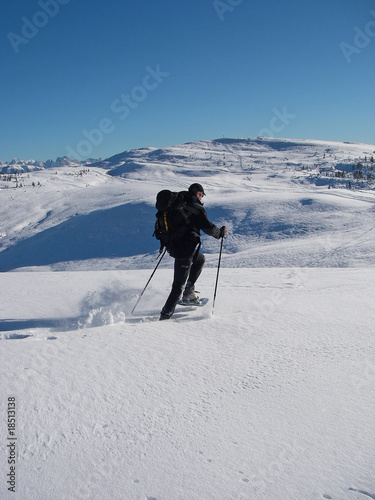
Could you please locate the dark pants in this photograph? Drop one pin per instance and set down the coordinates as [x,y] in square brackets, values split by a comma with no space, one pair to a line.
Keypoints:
[187,269]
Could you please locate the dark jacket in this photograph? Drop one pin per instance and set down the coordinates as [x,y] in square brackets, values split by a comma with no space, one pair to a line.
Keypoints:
[184,248]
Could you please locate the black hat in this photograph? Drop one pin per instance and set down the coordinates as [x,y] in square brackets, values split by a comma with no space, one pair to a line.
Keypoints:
[195,188]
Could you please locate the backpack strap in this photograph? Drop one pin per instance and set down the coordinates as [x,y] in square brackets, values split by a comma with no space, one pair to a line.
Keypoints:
[186,211]
[165,220]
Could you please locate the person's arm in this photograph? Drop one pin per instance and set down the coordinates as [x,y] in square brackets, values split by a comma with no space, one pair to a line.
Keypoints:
[210,228]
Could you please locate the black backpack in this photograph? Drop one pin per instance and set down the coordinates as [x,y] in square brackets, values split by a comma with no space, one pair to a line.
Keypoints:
[172,218]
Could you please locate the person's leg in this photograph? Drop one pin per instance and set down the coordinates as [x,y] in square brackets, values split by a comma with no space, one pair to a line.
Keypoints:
[195,271]
[181,272]
[196,268]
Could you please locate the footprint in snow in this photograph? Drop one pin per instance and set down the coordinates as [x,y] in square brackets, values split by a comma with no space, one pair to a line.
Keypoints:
[371,495]
[14,336]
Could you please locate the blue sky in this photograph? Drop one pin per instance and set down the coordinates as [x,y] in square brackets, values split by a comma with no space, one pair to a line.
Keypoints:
[92,78]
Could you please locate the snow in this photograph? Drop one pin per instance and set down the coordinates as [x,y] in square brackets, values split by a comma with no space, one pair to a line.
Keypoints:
[271,396]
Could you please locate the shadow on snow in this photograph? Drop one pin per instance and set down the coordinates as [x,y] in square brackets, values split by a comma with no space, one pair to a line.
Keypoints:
[121,231]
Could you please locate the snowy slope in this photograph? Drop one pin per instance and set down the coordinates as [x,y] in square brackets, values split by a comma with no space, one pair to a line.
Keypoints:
[272,396]
[279,198]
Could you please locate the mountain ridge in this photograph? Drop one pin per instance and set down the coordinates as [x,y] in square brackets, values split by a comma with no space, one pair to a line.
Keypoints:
[285,202]
[17,165]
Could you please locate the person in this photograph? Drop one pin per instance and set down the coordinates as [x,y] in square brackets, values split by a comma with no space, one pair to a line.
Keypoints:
[189,260]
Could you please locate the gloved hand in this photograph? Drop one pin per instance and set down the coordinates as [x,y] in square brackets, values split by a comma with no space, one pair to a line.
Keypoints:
[223,231]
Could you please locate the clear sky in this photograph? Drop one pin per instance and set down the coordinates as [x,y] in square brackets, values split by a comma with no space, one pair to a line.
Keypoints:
[92,78]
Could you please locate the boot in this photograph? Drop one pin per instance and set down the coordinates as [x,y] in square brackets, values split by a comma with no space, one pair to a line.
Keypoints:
[189,294]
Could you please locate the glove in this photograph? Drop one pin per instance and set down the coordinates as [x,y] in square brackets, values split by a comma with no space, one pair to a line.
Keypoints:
[223,231]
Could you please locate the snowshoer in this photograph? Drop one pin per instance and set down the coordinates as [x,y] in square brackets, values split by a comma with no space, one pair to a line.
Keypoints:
[189,260]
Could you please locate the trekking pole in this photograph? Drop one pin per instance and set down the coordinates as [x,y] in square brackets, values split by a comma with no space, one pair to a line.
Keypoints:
[143,291]
[217,275]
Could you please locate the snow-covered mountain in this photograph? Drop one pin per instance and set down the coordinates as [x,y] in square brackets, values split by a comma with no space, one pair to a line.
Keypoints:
[269,396]
[278,197]
[320,162]
[17,166]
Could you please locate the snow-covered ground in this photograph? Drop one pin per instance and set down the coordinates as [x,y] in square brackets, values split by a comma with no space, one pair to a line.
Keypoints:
[281,200]
[271,396]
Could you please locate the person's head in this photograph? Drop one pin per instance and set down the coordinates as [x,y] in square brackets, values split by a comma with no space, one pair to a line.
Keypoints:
[197,190]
